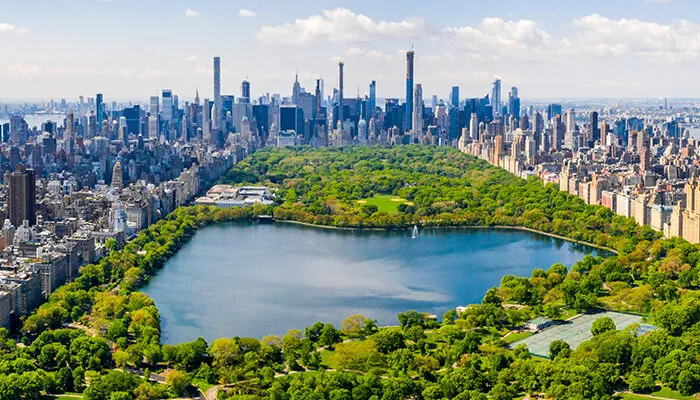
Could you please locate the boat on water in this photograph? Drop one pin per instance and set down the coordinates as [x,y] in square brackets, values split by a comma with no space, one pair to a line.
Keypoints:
[414,235]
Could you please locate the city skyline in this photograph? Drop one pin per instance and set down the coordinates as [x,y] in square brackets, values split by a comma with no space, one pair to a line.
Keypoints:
[630,49]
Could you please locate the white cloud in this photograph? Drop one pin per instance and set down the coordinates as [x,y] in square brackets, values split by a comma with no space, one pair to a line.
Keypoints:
[192,59]
[495,38]
[247,13]
[9,28]
[671,44]
[369,54]
[191,13]
[595,36]
[339,26]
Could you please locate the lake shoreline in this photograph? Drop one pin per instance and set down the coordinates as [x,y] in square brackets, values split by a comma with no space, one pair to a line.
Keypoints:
[501,227]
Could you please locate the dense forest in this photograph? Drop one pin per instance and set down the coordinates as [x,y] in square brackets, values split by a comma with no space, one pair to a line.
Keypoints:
[99,336]
[442,186]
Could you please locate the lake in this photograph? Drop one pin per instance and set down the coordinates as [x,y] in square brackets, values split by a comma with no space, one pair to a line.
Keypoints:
[252,280]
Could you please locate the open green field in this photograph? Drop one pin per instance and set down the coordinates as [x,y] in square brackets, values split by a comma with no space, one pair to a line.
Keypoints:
[65,396]
[388,204]
[667,393]
[514,337]
[664,393]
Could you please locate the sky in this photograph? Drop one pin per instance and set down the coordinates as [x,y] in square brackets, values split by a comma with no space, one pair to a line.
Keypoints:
[132,49]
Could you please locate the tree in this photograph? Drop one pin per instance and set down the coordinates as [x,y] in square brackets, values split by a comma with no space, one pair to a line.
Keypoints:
[492,297]
[313,332]
[449,317]
[369,209]
[120,396]
[641,383]
[116,330]
[147,391]
[121,358]
[411,318]
[559,347]
[602,325]
[360,355]
[415,333]
[353,325]
[177,382]
[291,341]
[329,336]
[401,360]
[78,379]
[340,394]
[687,383]
[388,340]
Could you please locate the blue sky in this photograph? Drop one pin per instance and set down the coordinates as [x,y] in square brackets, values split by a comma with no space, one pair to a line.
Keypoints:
[130,49]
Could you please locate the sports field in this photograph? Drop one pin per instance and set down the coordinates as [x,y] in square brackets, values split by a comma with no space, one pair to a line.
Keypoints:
[388,204]
[573,332]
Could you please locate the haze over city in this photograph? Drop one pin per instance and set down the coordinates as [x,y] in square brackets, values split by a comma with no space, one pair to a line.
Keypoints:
[132,49]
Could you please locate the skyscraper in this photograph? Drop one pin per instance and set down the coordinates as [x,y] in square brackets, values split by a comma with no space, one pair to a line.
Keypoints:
[70,126]
[117,176]
[409,90]
[514,103]
[418,109]
[206,126]
[296,90]
[569,139]
[372,104]
[595,129]
[218,105]
[571,120]
[167,113]
[99,111]
[21,195]
[553,110]
[340,92]
[454,98]
[245,92]
[557,133]
[474,127]
[496,98]
[155,106]
[318,98]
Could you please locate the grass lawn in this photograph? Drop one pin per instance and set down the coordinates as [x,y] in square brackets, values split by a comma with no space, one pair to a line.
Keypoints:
[388,204]
[664,393]
[629,396]
[667,393]
[326,358]
[567,313]
[514,337]
[202,384]
[65,396]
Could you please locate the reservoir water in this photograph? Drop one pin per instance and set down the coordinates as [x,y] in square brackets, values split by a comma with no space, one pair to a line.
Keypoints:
[253,280]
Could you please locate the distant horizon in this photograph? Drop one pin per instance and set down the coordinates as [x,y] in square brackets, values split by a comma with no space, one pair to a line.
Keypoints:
[34,101]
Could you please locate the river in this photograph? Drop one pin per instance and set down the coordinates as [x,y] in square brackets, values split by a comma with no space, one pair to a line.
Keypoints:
[252,280]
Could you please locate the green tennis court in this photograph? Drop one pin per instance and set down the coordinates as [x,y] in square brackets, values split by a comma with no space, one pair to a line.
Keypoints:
[574,331]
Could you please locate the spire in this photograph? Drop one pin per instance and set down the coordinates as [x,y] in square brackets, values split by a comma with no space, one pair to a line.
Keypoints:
[196,97]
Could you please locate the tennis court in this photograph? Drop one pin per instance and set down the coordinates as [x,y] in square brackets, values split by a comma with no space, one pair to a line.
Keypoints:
[573,332]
